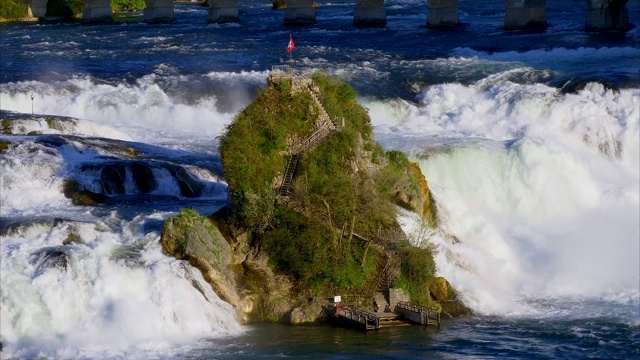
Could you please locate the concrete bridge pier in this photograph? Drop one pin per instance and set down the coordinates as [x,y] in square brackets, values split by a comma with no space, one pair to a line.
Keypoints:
[603,15]
[299,12]
[369,13]
[158,11]
[525,14]
[97,11]
[442,13]
[37,8]
[223,11]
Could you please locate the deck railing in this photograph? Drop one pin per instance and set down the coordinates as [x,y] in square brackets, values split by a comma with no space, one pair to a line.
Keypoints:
[427,315]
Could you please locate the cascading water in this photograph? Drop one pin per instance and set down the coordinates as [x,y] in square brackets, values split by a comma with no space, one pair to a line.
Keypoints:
[537,191]
[93,282]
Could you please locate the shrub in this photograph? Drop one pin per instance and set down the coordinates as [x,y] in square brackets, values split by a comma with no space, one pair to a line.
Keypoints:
[13,10]
[119,6]
[417,272]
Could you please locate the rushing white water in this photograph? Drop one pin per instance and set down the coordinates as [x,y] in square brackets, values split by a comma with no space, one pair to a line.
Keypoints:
[140,107]
[116,295]
[93,282]
[538,192]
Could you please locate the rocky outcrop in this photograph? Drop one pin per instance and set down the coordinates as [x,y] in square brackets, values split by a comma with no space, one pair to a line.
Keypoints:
[237,272]
[276,258]
[425,206]
[416,196]
[195,238]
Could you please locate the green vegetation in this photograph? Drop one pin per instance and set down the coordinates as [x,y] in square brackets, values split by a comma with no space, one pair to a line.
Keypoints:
[119,6]
[13,9]
[343,186]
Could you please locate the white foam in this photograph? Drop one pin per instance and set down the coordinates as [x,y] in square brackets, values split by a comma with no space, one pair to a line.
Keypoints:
[102,305]
[537,191]
[30,178]
[142,110]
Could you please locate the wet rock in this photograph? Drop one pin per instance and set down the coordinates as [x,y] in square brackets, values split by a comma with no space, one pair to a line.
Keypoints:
[454,306]
[189,187]
[3,145]
[73,238]
[143,177]
[113,177]
[6,127]
[49,258]
[79,196]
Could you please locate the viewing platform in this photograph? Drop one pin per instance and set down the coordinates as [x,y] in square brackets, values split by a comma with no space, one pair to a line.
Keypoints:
[403,314]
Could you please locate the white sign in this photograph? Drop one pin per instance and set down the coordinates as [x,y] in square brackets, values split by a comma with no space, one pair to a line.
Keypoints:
[337,298]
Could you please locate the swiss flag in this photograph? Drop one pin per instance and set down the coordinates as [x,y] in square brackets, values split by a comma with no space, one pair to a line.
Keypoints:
[291,45]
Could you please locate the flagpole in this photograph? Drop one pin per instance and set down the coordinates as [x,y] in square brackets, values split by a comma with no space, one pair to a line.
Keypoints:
[290,52]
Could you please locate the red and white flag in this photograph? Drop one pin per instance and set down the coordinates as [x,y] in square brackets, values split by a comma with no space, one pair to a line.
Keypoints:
[291,45]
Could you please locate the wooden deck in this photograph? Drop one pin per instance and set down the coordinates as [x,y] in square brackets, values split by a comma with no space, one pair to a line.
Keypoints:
[404,314]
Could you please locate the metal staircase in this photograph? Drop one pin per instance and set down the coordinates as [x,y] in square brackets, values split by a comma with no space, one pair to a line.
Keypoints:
[288,175]
[324,127]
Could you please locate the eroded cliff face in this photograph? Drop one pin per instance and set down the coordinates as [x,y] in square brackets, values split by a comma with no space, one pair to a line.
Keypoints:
[237,272]
[192,237]
[415,195]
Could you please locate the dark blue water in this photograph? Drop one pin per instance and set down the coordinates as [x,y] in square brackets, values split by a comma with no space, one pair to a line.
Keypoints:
[382,62]
[154,81]
[468,338]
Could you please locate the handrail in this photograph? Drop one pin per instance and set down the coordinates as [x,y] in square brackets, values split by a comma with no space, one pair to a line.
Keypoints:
[414,307]
[426,313]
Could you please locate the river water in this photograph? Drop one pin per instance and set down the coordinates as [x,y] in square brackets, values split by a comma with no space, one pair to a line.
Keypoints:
[530,142]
